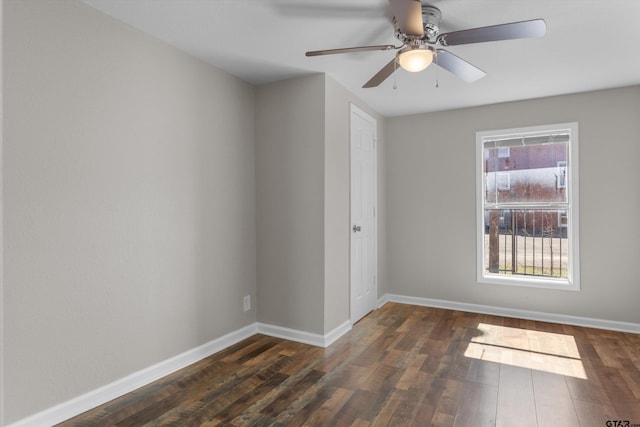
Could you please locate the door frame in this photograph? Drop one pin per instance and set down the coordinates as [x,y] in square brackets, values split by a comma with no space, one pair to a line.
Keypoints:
[354,109]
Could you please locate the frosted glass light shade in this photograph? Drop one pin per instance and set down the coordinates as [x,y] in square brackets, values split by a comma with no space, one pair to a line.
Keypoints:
[416,59]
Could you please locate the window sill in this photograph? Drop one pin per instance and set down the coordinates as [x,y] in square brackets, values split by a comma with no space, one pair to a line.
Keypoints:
[530,282]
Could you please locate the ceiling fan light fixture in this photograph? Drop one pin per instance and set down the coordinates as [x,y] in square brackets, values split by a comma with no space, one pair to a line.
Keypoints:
[415,59]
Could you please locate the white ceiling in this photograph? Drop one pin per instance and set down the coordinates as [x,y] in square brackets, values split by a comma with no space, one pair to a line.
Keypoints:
[589,45]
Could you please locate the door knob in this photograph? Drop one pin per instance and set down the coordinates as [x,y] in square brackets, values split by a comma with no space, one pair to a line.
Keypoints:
[356,228]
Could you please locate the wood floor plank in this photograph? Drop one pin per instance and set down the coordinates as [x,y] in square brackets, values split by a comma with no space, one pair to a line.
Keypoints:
[448,404]
[363,404]
[483,372]
[608,352]
[631,376]
[620,395]
[325,414]
[382,376]
[405,409]
[553,402]
[430,389]
[292,392]
[410,373]
[477,405]
[388,411]
[401,365]
[592,414]
[587,390]
[310,406]
[516,402]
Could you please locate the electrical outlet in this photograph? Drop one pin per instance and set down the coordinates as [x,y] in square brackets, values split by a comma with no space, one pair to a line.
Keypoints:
[246,301]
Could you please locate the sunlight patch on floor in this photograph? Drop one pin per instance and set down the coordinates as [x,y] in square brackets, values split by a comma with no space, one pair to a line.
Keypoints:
[543,351]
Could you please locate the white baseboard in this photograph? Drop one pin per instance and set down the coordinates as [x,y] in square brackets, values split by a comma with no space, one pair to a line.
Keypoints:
[336,333]
[509,312]
[92,399]
[291,334]
[97,397]
[305,337]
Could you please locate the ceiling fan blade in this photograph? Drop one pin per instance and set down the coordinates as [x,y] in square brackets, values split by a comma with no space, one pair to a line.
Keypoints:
[513,30]
[351,49]
[382,75]
[408,14]
[458,66]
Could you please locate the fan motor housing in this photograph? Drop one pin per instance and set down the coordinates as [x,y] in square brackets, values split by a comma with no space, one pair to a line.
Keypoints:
[431,17]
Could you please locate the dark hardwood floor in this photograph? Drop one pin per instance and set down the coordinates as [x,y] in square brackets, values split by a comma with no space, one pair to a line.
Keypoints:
[402,365]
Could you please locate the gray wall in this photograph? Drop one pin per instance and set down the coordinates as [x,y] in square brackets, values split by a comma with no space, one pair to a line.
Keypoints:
[302,179]
[290,203]
[431,204]
[129,195]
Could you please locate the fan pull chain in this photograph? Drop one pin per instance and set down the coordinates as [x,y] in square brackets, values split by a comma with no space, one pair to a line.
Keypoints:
[437,84]
[395,68]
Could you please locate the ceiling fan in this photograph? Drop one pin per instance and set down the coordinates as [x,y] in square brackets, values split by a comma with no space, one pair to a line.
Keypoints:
[416,26]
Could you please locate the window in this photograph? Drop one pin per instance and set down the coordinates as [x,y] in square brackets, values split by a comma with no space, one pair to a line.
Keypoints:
[527,206]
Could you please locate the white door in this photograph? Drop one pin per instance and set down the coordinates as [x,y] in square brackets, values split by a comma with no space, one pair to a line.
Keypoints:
[364,293]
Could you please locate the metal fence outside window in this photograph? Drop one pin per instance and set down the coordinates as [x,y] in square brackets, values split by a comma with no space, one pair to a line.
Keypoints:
[529,242]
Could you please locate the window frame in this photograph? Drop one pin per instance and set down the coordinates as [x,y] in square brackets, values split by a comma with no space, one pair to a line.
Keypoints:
[572,282]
